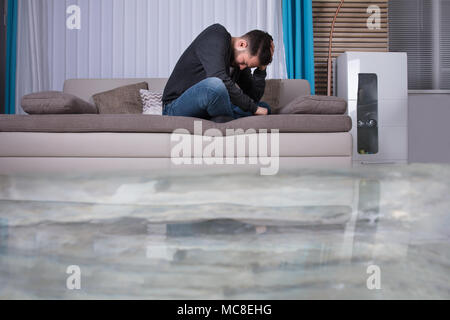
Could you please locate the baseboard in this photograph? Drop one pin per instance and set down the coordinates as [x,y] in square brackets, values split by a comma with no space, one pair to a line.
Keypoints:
[14,165]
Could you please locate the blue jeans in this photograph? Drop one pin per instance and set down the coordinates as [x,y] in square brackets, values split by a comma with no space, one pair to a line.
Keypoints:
[207,99]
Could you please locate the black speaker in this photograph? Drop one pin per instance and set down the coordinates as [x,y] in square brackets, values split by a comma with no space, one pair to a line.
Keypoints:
[367,113]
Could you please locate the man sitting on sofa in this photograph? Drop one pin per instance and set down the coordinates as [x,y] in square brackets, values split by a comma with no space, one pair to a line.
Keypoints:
[203,83]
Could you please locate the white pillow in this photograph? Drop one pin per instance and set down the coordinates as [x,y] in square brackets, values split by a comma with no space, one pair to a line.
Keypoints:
[152,102]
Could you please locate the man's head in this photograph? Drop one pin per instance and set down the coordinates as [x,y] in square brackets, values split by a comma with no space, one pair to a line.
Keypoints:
[252,50]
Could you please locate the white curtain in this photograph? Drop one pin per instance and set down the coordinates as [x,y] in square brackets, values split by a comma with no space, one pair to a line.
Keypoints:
[128,38]
[33,66]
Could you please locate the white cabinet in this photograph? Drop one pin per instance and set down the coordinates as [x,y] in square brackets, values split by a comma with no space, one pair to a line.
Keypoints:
[391,70]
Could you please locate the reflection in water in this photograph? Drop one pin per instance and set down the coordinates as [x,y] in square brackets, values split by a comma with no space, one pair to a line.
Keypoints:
[3,235]
[368,213]
[304,234]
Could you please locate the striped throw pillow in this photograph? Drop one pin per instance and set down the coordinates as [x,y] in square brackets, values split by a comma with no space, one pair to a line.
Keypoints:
[152,102]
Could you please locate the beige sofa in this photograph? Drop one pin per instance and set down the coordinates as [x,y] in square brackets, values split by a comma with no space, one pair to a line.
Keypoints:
[139,142]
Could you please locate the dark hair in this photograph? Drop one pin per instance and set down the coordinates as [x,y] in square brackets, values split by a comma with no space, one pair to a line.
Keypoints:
[260,43]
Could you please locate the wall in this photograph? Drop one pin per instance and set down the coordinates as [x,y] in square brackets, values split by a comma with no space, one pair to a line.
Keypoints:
[127,38]
[350,34]
[429,114]
[429,128]
[2,57]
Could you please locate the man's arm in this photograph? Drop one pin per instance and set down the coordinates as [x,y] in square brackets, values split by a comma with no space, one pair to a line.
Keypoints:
[253,85]
[211,50]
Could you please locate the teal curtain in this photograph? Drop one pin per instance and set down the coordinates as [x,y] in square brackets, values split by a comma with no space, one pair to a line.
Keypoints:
[299,40]
[11,52]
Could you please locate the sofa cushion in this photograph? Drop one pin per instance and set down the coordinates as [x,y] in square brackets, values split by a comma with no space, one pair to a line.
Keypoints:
[166,124]
[316,105]
[122,100]
[55,102]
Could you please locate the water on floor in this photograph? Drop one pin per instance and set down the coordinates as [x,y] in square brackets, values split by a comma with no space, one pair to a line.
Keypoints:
[362,233]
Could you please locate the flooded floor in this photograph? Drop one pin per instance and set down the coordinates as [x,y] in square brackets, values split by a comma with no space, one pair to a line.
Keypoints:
[379,232]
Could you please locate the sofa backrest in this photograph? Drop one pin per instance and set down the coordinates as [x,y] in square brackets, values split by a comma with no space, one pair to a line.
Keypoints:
[86,88]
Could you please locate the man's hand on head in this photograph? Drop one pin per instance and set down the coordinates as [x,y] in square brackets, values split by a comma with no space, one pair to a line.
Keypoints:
[272,50]
[261,111]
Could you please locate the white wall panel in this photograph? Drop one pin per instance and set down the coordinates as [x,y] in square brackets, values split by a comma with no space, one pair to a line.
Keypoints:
[106,42]
[95,40]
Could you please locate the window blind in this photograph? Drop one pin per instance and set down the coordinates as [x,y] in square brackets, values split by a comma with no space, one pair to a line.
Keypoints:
[421,28]
[444,52]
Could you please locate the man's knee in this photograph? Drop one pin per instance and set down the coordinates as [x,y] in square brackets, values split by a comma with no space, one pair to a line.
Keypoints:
[216,85]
